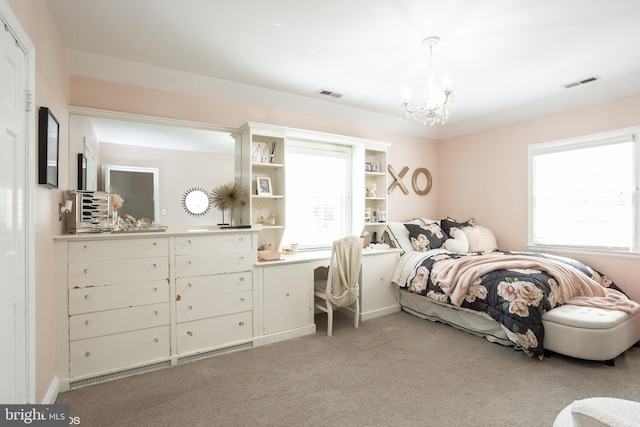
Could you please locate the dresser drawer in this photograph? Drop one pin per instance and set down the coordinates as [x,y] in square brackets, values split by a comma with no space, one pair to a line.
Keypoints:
[118,249]
[212,244]
[214,332]
[89,299]
[91,325]
[218,305]
[110,272]
[217,263]
[202,286]
[94,355]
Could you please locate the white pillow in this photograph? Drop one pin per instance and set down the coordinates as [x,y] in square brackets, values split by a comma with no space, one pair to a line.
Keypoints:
[458,242]
[480,238]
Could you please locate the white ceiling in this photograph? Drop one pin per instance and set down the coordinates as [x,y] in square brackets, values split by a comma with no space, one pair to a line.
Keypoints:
[507,59]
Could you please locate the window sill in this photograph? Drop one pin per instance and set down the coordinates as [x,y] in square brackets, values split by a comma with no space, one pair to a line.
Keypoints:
[583,251]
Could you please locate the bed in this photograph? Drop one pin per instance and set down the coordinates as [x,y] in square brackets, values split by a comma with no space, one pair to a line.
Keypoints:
[453,272]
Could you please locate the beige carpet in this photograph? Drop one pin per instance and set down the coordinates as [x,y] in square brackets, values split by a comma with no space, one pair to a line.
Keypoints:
[396,370]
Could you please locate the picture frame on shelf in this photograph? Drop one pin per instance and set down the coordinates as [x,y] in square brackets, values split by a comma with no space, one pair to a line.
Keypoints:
[368,167]
[375,166]
[48,147]
[263,186]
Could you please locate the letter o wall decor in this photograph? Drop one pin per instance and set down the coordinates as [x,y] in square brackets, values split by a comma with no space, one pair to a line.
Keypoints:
[414,181]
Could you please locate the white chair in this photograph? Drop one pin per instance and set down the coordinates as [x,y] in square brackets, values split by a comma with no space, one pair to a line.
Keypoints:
[341,288]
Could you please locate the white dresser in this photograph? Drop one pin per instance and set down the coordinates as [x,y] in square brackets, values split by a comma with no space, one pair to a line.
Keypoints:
[128,303]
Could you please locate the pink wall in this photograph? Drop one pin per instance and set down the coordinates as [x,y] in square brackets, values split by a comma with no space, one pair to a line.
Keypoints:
[484,175]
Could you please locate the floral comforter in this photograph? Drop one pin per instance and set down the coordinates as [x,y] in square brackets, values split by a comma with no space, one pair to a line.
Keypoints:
[515,297]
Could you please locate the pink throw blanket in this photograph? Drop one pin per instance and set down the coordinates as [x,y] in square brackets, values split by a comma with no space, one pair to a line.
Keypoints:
[576,288]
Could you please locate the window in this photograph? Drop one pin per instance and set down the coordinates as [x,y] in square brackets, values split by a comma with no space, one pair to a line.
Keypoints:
[318,183]
[582,192]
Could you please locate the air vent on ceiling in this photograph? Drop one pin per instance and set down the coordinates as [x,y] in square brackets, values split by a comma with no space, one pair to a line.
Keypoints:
[581,82]
[329,93]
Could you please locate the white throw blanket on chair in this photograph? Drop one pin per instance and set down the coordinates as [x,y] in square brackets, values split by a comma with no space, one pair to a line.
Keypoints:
[345,271]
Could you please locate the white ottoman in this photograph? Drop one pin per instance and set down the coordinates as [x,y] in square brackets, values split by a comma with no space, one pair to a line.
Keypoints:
[590,333]
[599,412]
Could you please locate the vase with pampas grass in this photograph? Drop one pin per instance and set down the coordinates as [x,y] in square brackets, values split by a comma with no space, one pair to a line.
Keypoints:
[229,197]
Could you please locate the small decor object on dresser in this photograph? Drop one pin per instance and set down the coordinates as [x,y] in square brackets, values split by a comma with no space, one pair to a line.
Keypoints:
[229,197]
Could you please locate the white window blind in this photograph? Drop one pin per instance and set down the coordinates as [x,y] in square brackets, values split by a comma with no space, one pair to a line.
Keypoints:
[318,202]
[583,193]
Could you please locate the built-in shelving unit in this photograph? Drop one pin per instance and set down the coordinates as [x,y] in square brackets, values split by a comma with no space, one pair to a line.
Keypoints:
[375,191]
[262,148]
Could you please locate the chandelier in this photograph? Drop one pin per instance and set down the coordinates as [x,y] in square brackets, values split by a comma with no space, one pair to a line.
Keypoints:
[439,101]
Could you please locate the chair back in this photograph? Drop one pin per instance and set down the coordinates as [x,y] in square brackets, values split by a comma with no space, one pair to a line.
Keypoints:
[343,281]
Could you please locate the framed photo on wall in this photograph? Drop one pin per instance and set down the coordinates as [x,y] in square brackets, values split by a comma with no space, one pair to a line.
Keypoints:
[263,186]
[48,147]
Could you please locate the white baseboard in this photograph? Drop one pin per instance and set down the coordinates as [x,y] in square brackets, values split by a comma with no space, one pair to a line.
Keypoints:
[52,393]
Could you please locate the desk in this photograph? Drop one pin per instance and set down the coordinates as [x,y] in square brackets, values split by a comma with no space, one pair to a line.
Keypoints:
[285,292]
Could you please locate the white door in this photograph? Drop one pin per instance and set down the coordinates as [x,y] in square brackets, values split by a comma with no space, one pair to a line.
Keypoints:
[13,218]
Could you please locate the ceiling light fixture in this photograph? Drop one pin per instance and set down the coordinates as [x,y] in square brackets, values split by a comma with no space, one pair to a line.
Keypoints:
[439,101]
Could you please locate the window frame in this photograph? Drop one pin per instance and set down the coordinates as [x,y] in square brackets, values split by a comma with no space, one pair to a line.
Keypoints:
[581,142]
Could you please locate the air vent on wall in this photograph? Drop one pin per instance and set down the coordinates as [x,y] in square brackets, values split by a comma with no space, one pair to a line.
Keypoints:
[329,93]
[581,82]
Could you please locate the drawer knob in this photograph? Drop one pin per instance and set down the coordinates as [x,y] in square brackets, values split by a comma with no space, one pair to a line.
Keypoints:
[188,242]
[154,244]
[190,333]
[86,297]
[85,271]
[155,289]
[241,324]
[189,285]
[288,294]
[241,239]
[156,340]
[85,248]
[86,323]
[155,312]
[189,262]
[154,265]
[241,299]
[190,307]
[241,258]
[87,354]
[242,279]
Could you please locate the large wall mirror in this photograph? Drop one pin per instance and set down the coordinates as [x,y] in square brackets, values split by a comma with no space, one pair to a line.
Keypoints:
[164,157]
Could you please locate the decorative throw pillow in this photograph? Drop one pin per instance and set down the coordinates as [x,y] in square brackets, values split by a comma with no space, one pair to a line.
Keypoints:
[426,237]
[458,242]
[398,236]
[448,223]
[481,238]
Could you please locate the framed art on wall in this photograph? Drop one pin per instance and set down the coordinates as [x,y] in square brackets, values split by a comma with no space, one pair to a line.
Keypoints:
[48,147]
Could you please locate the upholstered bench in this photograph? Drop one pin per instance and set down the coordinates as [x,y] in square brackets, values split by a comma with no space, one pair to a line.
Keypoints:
[589,333]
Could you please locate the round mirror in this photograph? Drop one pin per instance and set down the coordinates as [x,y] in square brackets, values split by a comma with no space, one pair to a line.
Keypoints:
[196,201]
